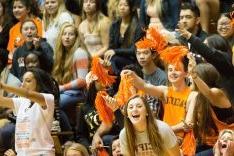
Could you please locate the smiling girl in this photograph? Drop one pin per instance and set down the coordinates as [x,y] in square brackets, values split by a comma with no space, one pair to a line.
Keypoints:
[143,134]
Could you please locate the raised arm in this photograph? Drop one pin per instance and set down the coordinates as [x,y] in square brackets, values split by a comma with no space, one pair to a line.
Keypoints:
[32,95]
[214,95]
[156,91]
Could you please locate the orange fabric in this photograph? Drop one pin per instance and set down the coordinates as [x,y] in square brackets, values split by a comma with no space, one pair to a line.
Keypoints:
[232,16]
[173,55]
[154,41]
[102,152]
[15,33]
[175,107]
[212,138]
[106,115]
[126,90]
[101,72]
[189,144]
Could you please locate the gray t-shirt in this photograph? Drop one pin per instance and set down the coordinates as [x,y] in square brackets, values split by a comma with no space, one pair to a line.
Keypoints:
[143,145]
[157,78]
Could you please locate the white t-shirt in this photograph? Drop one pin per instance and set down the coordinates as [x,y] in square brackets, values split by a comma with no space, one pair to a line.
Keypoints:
[32,133]
[143,145]
[53,29]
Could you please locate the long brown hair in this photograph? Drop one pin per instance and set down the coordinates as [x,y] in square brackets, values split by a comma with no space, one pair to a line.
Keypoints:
[202,113]
[62,70]
[152,130]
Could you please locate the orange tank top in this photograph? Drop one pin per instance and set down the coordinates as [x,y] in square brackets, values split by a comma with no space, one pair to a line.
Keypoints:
[175,106]
[211,139]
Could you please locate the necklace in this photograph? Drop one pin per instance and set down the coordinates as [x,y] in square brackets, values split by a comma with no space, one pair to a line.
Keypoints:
[91,27]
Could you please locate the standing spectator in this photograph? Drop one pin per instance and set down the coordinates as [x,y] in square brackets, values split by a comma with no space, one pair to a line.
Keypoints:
[55,14]
[209,10]
[162,13]
[34,110]
[22,9]
[142,134]
[94,29]
[213,111]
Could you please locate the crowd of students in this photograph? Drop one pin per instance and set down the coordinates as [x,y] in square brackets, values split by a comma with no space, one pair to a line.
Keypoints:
[155,77]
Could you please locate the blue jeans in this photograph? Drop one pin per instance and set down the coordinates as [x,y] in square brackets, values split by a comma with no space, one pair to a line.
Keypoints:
[67,105]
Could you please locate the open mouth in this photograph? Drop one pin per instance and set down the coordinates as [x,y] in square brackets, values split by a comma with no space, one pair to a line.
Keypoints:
[224,145]
[135,116]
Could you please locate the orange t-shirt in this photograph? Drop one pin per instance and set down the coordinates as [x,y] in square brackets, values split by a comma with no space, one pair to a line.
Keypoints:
[16,36]
[175,106]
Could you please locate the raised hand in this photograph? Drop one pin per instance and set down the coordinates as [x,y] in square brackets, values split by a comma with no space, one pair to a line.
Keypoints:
[191,66]
[183,32]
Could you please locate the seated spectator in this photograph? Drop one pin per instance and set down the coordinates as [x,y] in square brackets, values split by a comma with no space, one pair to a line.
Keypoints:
[22,10]
[94,29]
[5,24]
[70,68]
[225,143]
[90,121]
[123,34]
[115,146]
[29,32]
[54,16]
[190,20]
[143,134]
[225,28]
[75,149]
[7,127]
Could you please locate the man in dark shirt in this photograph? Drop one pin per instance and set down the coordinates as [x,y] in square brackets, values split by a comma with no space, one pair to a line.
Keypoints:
[190,20]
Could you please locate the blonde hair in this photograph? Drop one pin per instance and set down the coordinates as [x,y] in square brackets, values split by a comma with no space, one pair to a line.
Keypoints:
[77,147]
[63,64]
[112,9]
[47,19]
[157,4]
[221,133]
[155,138]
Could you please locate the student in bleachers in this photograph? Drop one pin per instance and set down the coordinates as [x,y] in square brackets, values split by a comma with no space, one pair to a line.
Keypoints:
[225,143]
[210,10]
[32,41]
[123,34]
[213,110]
[94,29]
[142,134]
[115,146]
[162,14]
[217,52]
[75,149]
[7,127]
[70,67]
[34,110]
[5,24]
[147,58]
[23,9]
[178,99]
[225,28]
[55,14]
[190,20]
